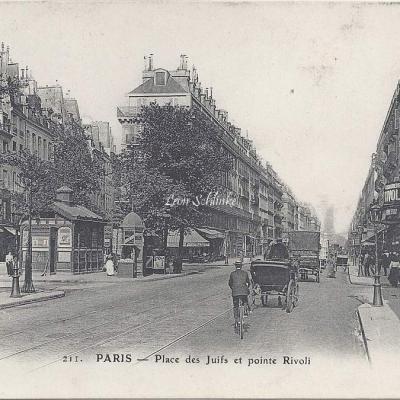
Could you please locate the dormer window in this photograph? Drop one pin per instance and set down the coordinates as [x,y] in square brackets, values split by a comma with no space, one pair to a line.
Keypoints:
[161,78]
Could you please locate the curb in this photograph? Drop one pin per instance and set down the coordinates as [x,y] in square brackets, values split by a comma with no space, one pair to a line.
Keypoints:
[124,279]
[163,277]
[21,302]
[380,328]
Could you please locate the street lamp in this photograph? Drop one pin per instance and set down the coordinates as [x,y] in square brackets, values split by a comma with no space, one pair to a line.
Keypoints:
[360,232]
[15,289]
[374,216]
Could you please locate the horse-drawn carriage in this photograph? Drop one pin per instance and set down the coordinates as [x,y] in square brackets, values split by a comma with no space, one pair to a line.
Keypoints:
[275,278]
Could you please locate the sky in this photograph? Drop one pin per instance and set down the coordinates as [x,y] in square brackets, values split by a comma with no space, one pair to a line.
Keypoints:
[310,82]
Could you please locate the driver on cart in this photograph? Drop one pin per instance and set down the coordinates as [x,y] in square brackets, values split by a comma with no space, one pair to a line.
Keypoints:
[278,251]
[239,282]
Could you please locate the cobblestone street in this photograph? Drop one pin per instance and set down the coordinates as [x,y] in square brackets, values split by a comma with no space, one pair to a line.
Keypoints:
[195,311]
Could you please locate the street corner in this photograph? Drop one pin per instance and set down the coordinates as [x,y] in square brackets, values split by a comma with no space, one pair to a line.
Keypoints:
[380,328]
[28,298]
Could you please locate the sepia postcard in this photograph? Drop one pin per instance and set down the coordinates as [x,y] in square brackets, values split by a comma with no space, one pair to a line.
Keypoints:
[199,199]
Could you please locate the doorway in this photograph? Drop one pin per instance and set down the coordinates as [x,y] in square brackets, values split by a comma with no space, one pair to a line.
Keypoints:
[52,250]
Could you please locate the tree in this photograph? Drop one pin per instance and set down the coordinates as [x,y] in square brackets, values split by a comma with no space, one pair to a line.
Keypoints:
[75,165]
[35,181]
[179,160]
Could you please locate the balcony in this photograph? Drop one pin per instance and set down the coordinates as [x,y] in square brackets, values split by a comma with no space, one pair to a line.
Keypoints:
[5,129]
[390,164]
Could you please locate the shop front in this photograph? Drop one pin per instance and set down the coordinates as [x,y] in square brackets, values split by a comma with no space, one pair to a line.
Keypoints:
[217,242]
[67,237]
[195,246]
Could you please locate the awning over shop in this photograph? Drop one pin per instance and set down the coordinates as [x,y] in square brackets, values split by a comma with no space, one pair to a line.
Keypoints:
[8,230]
[210,233]
[369,237]
[192,239]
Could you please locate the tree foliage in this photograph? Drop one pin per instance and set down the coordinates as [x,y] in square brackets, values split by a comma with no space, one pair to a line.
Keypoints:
[179,155]
[74,164]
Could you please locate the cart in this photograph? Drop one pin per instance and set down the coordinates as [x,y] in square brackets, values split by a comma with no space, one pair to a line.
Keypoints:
[308,265]
[275,278]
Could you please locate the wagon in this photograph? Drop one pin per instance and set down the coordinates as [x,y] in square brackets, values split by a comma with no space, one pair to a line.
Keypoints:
[275,278]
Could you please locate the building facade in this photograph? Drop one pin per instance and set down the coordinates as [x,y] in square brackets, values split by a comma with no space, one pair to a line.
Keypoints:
[258,217]
[24,125]
[31,118]
[382,177]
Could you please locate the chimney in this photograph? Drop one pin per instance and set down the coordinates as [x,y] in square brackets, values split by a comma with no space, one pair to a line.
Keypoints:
[150,68]
[183,63]
[64,195]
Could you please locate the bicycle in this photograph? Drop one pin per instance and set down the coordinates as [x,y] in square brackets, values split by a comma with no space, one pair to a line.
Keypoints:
[239,317]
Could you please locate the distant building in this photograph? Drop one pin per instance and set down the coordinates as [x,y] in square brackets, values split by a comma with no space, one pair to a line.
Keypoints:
[104,135]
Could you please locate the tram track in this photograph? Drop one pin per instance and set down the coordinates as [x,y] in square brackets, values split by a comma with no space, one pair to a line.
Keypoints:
[109,339]
[159,319]
[77,316]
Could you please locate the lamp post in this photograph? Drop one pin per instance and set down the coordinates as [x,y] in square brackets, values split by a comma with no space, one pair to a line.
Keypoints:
[374,216]
[360,232]
[15,289]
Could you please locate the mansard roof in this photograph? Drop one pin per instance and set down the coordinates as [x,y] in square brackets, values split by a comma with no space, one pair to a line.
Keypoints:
[149,87]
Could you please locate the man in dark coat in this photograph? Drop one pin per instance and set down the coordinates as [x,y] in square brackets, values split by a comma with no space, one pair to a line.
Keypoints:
[239,282]
[278,251]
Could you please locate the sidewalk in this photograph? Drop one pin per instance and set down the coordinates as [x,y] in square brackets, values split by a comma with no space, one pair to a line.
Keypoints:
[364,280]
[68,277]
[380,326]
[27,298]
[95,277]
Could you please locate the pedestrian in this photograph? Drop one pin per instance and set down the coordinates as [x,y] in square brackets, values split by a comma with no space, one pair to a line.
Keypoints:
[394,272]
[109,266]
[366,264]
[115,262]
[385,263]
[9,263]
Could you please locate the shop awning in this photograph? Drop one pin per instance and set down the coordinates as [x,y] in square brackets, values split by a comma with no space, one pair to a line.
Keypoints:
[192,239]
[10,230]
[369,237]
[210,233]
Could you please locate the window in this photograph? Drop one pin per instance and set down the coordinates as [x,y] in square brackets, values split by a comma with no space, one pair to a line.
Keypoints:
[5,178]
[14,146]
[160,78]
[5,146]
[39,147]
[33,143]
[21,147]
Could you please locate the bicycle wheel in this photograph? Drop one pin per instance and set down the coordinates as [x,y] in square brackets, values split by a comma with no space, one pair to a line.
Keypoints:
[241,315]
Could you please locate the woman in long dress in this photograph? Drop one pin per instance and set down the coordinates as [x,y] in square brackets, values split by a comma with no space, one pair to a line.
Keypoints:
[109,266]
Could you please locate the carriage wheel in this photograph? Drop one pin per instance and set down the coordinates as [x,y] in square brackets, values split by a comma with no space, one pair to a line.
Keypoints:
[264,299]
[296,295]
[290,297]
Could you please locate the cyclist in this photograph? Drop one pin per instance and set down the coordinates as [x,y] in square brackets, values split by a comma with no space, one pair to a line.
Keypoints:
[239,282]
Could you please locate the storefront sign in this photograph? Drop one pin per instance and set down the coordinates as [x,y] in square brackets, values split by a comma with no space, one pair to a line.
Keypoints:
[65,237]
[159,262]
[392,194]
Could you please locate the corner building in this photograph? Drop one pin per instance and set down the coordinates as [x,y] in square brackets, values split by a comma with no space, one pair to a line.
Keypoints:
[257,219]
